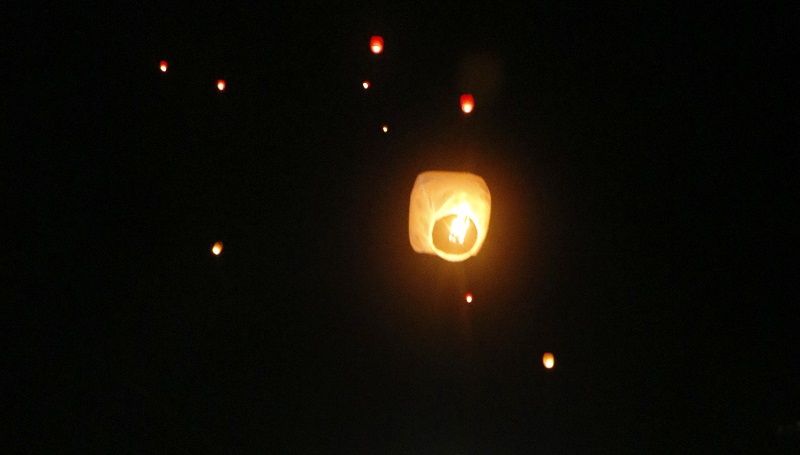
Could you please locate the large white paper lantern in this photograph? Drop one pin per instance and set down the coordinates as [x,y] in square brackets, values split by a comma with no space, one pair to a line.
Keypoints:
[449,214]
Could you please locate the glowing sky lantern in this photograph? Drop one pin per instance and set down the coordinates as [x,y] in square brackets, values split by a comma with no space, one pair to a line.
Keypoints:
[548,360]
[221,84]
[163,66]
[468,297]
[385,128]
[449,214]
[217,248]
[376,44]
[365,84]
[467,103]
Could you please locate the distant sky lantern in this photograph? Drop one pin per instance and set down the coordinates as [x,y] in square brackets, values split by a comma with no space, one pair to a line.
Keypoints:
[548,360]
[385,129]
[468,297]
[217,248]
[376,44]
[221,84]
[365,84]
[467,103]
[163,66]
[449,214]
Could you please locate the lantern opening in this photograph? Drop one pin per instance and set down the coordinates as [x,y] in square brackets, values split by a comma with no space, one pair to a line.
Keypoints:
[454,234]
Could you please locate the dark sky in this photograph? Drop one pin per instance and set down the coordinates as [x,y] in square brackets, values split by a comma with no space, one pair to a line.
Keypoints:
[642,163]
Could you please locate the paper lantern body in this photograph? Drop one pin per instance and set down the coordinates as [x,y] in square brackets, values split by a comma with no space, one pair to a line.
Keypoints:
[376,44]
[467,103]
[548,360]
[449,214]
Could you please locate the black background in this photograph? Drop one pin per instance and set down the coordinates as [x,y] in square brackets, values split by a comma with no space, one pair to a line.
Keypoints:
[643,170]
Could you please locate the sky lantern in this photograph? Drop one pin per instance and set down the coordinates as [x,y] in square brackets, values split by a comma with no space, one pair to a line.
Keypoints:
[468,297]
[467,103]
[548,360]
[365,84]
[221,84]
[163,66]
[217,248]
[449,214]
[385,128]
[376,44]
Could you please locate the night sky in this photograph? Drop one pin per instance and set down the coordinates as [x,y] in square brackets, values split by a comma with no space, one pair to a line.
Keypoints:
[643,168]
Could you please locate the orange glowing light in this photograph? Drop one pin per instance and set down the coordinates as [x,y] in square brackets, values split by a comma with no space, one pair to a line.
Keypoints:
[376,44]
[217,248]
[365,84]
[469,297]
[221,84]
[163,66]
[385,129]
[448,214]
[467,103]
[548,360]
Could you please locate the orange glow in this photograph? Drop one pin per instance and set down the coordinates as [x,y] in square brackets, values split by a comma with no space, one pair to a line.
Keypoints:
[221,84]
[217,248]
[365,84]
[467,103]
[376,44]
[458,229]
[469,297]
[163,66]
[385,129]
[448,214]
[548,360]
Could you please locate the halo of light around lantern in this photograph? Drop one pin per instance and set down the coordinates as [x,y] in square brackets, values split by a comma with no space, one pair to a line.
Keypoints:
[548,360]
[449,214]
[376,44]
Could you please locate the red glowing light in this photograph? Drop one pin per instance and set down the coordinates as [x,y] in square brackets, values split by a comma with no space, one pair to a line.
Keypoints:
[467,103]
[469,297]
[365,84]
[221,84]
[217,248]
[163,66]
[376,44]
